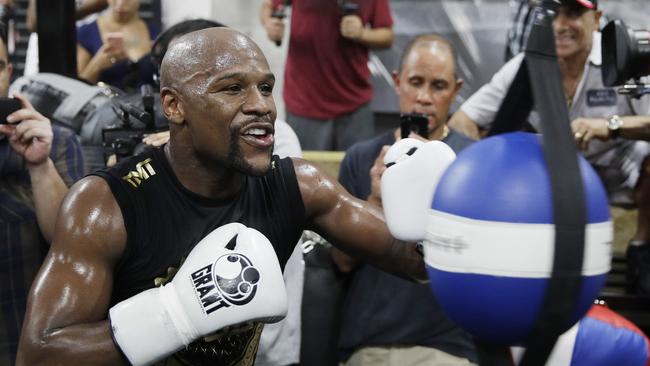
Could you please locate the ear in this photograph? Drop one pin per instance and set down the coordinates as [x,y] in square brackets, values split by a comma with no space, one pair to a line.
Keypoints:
[172,106]
[459,84]
[396,80]
[598,14]
[10,69]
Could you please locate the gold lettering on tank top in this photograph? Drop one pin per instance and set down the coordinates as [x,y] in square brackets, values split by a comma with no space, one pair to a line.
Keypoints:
[143,171]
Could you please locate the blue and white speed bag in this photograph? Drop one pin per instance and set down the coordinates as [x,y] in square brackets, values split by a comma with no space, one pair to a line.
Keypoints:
[490,238]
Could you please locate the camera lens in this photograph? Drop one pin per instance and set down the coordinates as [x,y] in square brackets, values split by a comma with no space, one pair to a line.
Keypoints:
[626,53]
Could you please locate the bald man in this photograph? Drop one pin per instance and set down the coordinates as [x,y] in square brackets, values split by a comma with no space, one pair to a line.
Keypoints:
[425,83]
[126,229]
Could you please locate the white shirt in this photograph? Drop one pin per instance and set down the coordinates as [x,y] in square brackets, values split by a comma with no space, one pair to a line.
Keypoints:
[591,100]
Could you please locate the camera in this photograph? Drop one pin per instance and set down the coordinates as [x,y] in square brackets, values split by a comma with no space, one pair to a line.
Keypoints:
[125,139]
[279,13]
[7,107]
[349,7]
[414,123]
[626,56]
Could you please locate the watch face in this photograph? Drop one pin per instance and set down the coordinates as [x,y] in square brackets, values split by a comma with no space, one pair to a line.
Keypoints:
[614,123]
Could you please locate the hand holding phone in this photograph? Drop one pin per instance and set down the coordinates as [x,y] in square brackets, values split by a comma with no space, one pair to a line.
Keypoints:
[7,107]
[414,123]
[115,41]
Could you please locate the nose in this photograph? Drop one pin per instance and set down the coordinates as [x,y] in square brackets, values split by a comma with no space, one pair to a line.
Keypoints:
[560,22]
[258,103]
[424,96]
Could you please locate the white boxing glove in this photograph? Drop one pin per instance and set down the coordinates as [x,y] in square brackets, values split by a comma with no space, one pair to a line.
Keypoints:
[413,170]
[214,288]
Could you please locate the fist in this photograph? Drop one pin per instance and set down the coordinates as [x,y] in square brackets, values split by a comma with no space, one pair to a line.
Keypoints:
[352,27]
[274,29]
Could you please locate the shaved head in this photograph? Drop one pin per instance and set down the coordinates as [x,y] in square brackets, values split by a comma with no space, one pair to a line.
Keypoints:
[437,44]
[198,54]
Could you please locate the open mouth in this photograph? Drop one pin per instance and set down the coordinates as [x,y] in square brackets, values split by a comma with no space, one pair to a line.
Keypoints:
[259,135]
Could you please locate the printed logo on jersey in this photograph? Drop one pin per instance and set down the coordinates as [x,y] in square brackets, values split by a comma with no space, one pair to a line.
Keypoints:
[230,280]
[143,170]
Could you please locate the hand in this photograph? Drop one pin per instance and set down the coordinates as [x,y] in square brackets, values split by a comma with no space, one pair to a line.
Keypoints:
[352,27]
[376,171]
[230,277]
[29,133]
[586,129]
[409,183]
[108,55]
[156,139]
[274,29]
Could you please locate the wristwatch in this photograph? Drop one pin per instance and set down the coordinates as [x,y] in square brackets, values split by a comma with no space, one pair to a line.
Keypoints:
[614,124]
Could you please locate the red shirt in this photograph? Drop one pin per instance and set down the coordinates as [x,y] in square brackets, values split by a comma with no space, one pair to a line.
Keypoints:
[326,75]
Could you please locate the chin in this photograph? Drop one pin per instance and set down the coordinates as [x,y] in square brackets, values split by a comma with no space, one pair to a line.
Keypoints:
[255,168]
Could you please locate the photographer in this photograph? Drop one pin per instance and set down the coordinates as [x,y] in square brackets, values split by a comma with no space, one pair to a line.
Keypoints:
[605,124]
[327,88]
[38,162]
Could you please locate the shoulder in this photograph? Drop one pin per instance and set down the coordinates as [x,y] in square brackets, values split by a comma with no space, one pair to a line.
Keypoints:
[458,141]
[85,29]
[64,133]
[89,194]
[88,34]
[154,31]
[90,215]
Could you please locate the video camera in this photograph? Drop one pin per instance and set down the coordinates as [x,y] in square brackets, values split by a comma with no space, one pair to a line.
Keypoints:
[349,7]
[125,139]
[626,56]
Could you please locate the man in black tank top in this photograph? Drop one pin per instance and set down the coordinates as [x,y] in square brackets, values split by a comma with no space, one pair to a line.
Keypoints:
[128,229]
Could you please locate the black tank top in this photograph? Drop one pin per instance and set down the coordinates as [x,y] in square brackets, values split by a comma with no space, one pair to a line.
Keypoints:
[164,221]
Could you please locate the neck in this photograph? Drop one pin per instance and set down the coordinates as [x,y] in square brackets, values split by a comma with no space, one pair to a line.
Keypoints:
[116,22]
[439,133]
[196,175]
[572,67]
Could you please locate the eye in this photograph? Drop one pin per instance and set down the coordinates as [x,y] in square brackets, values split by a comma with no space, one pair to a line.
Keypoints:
[266,88]
[440,85]
[415,81]
[233,88]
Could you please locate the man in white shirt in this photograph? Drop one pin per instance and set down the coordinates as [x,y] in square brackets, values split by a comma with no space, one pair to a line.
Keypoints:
[608,127]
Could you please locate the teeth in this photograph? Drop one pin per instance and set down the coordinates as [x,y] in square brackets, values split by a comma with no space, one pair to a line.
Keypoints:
[256,132]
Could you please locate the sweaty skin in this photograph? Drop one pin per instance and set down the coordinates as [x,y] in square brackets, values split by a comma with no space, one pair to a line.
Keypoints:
[210,151]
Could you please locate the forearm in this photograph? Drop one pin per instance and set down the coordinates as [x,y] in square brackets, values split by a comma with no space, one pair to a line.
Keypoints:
[48,189]
[90,72]
[89,7]
[265,11]
[84,344]
[377,37]
[462,123]
[635,127]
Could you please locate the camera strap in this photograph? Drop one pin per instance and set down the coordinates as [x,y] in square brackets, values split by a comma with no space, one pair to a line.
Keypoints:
[539,80]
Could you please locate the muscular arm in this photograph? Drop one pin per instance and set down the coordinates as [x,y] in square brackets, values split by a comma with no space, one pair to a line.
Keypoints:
[353,225]
[65,322]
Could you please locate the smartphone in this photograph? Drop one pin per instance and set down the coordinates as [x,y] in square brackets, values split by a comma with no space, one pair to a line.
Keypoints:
[115,40]
[414,122]
[7,107]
